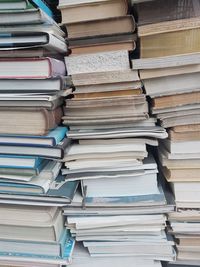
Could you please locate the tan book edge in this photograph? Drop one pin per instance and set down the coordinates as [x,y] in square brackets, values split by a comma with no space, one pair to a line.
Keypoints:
[105,77]
[107,94]
[186,128]
[103,48]
[184,136]
[169,26]
[176,100]
[180,175]
[169,44]
[108,26]
[165,72]
[94,11]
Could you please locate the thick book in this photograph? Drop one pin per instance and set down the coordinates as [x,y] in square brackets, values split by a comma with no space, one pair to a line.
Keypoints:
[178,43]
[32,221]
[32,121]
[32,40]
[98,62]
[176,100]
[87,10]
[101,27]
[31,68]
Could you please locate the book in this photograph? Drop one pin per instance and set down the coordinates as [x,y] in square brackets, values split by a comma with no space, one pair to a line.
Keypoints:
[107,77]
[154,132]
[39,178]
[19,162]
[45,28]
[35,218]
[60,193]
[107,26]
[153,12]
[32,121]
[178,43]
[182,146]
[181,175]
[82,10]
[166,61]
[172,85]
[32,40]
[51,139]
[184,136]
[31,68]
[21,173]
[103,45]
[55,152]
[27,16]
[97,62]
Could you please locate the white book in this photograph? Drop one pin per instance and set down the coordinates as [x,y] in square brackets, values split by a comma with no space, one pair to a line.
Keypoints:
[170,85]
[113,187]
[98,62]
[188,147]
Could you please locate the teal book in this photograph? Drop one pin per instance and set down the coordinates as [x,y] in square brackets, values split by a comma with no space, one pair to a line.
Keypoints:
[53,138]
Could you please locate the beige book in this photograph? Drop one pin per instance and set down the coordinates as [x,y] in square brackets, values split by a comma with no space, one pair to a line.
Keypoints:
[171,43]
[187,128]
[108,94]
[166,72]
[93,11]
[129,46]
[107,77]
[184,136]
[168,26]
[181,175]
[176,100]
[174,84]
[192,241]
[107,26]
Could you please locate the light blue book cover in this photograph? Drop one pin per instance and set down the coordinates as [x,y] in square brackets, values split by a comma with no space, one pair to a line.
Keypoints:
[68,248]
[55,136]
[36,162]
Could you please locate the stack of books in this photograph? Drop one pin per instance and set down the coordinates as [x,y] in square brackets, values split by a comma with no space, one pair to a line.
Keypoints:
[32,90]
[170,74]
[98,26]
[111,134]
[35,237]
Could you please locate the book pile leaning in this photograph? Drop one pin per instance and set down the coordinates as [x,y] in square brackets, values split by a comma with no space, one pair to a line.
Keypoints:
[171,78]
[32,88]
[118,214]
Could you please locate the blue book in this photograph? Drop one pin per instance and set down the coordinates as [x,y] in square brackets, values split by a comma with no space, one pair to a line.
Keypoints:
[39,250]
[53,138]
[21,162]
[42,5]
